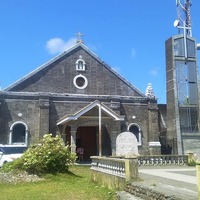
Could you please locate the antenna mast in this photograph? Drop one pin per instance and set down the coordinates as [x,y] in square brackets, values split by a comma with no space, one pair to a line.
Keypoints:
[184,18]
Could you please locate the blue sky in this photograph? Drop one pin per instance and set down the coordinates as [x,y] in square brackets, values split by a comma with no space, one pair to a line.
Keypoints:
[128,35]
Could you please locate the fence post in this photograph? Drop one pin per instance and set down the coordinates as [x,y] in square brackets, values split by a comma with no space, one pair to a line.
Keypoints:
[131,168]
[198,177]
[191,158]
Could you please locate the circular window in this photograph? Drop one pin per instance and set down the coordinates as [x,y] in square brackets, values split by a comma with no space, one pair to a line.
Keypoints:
[80,81]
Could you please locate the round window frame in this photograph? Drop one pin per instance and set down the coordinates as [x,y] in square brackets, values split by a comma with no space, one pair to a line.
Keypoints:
[85,79]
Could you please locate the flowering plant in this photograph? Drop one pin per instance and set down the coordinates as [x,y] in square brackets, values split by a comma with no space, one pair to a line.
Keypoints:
[50,155]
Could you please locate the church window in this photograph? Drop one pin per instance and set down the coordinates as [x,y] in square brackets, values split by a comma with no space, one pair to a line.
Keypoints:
[18,133]
[135,129]
[80,65]
[80,81]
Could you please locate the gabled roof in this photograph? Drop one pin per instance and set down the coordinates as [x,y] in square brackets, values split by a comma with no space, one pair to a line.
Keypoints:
[65,53]
[87,108]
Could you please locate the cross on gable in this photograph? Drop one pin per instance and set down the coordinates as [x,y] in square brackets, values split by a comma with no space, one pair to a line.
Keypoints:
[79,37]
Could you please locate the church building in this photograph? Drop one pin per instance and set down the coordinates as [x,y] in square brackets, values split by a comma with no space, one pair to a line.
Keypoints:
[79,96]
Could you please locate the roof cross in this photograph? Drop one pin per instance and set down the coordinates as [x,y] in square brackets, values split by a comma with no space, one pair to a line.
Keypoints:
[79,37]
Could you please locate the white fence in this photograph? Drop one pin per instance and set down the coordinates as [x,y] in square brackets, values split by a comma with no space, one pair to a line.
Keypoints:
[112,166]
[162,160]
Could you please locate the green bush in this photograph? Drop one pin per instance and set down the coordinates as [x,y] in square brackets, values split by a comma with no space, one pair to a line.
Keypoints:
[50,155]
[11,166]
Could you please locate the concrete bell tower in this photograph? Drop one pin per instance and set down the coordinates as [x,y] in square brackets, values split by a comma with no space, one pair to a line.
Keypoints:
[182,86]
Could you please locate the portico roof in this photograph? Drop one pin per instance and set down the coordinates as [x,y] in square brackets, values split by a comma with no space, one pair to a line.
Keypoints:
[107,112]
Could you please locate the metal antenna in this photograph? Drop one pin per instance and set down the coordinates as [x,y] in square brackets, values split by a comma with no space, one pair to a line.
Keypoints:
[184,18]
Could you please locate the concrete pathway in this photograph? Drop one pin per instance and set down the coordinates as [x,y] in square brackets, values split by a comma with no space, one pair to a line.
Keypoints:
[178,174]
[180,181]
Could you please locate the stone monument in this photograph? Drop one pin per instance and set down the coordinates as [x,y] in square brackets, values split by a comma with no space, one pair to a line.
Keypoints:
[126,145]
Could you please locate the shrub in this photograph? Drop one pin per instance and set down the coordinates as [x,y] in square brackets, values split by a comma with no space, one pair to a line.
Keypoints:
[48,156]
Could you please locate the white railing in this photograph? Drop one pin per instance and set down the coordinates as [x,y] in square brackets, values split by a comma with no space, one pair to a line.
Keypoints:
[112,166]
[115,172]
[149,160]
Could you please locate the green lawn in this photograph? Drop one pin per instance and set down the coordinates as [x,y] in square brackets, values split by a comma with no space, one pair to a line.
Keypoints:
[75,185]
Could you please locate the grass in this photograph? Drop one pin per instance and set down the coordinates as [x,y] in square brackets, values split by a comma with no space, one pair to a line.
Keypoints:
[75,185]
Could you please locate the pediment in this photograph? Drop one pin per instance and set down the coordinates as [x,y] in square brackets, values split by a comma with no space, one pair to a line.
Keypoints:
[60,75]
[91,110]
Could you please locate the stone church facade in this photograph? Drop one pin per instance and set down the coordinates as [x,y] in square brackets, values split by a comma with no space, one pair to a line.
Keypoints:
[79,96]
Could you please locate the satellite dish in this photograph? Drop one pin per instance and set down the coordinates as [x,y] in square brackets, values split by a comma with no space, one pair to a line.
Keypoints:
[176,23]
[198,46]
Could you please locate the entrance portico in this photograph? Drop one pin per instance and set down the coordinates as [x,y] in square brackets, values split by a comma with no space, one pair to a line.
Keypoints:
[93,128]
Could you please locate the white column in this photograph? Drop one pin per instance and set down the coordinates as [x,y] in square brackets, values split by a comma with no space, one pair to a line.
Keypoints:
[73,140]
[100,132]
[10,137]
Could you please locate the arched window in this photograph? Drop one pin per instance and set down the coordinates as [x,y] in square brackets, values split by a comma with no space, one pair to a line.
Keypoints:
[135,129]
[18,133]
[80,65]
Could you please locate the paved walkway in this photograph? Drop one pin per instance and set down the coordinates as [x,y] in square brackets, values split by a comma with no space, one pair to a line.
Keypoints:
[180,181]
[181,174]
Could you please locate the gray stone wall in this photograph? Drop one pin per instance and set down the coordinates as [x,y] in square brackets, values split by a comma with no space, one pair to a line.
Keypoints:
[10,114]
[48,94]
[146,116]
[41,113]
[58,78]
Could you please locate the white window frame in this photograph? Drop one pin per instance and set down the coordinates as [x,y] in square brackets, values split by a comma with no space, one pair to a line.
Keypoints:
[78,67]
[85,84]
[139,134]
[25,143]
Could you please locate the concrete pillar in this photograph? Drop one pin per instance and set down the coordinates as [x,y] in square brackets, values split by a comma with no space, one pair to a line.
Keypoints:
[113,141]
[73,139]
[114,130]
[131,168]
[154,144]
[198,177]
[191,158]
[43,117]
[153,122]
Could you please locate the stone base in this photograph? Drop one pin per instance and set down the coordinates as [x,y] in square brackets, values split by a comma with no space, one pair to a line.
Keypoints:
[108,180]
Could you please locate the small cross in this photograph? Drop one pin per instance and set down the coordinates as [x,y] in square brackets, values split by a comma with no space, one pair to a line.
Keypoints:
[79,39]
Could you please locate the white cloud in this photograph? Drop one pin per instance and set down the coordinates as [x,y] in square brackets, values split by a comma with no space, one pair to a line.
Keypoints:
[133,52]
[154,72]
[58,45]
